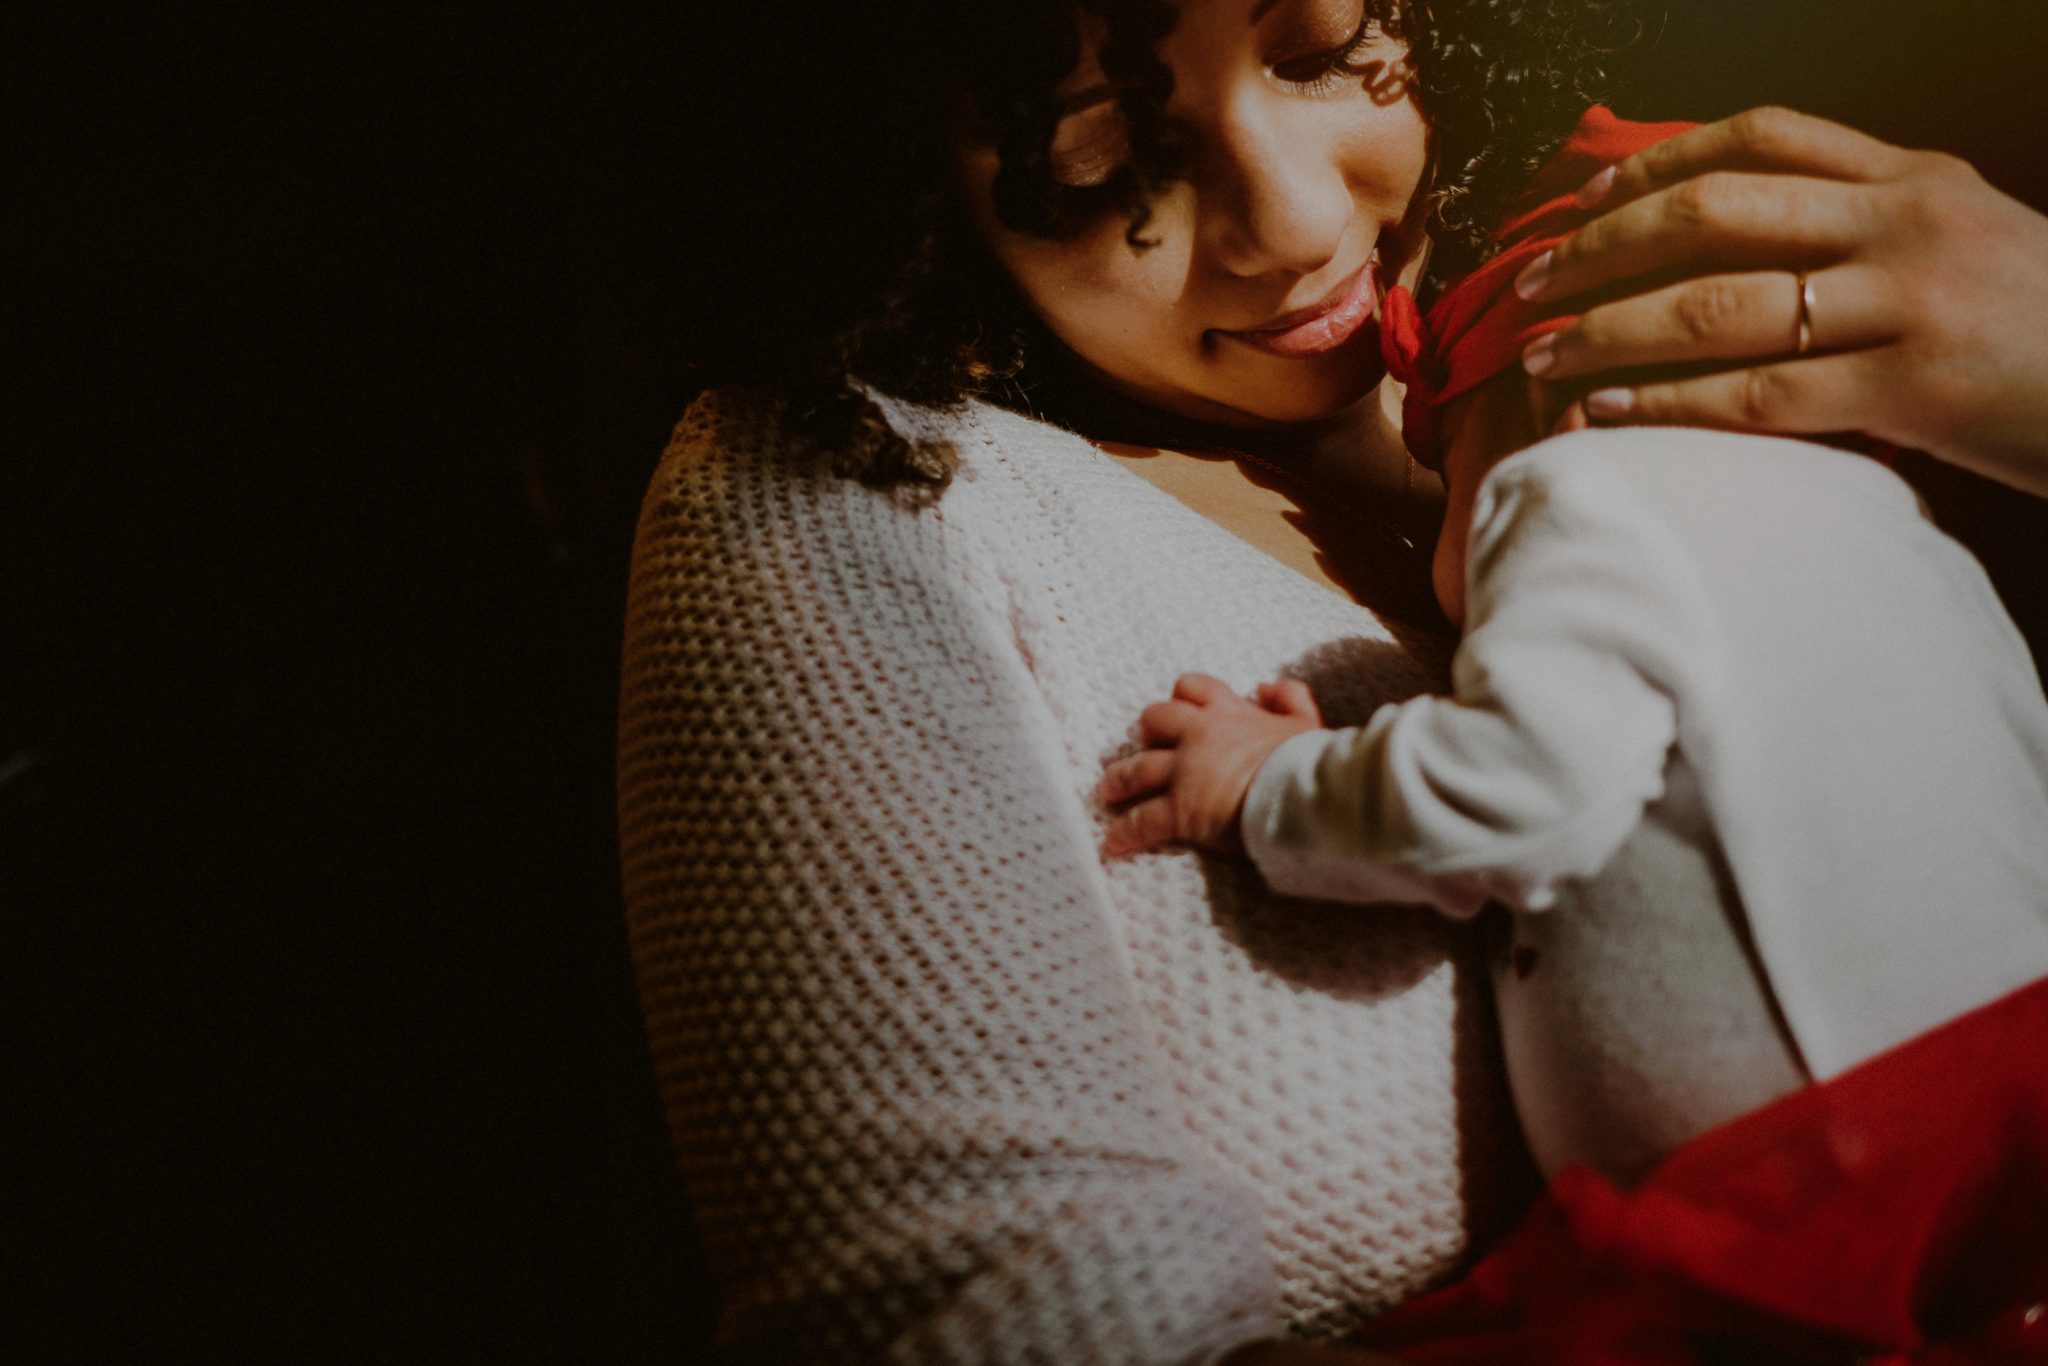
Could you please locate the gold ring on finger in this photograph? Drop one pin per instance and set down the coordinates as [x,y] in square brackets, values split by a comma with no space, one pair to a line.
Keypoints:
[1804,341]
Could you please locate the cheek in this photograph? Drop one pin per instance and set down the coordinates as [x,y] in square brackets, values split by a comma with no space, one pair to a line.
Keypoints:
[1097,293]
[1093,292]
[1386,153]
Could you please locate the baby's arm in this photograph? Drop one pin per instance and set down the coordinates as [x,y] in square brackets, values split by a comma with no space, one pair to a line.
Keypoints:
[1564,706]
[1534,769]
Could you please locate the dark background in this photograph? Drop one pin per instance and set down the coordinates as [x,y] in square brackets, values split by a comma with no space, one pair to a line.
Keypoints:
[334,382]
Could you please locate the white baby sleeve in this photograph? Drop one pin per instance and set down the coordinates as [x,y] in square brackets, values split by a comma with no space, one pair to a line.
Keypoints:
[1581,621]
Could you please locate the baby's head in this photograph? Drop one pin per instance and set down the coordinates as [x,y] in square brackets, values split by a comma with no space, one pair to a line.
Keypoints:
[1468,403]
[1476,431]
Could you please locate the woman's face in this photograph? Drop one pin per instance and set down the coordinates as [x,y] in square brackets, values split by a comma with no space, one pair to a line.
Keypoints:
[1307,153]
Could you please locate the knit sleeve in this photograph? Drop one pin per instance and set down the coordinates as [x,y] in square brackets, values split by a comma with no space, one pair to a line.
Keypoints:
[909,1089]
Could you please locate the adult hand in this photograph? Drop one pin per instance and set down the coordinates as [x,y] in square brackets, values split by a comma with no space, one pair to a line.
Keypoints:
[1928,310]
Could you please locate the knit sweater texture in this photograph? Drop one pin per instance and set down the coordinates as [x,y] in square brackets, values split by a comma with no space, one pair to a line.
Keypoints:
[943,1085]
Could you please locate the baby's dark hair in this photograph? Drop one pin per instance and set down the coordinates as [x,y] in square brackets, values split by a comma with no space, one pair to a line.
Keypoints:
[831,245]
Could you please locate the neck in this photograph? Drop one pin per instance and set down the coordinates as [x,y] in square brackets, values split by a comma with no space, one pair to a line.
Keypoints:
[1354,447]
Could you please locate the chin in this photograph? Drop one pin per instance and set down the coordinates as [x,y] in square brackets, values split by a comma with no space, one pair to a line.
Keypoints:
[1301,408]
[1257,396]
[1287,399]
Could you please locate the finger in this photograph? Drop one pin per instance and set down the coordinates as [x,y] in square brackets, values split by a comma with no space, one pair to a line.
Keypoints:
[1816,394]
[1723,218]
[1134,776]
[1547,403]
[1748,316]
[1574,419]
[1201,689]
[1292,697]
[1268,695]
[1774,140]
[1164,723]
[1147,825]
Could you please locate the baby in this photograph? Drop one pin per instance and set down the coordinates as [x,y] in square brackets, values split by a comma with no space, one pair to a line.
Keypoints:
[1759,767]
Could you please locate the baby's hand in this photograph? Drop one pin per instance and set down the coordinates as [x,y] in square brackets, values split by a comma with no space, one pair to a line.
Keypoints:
[1202,750]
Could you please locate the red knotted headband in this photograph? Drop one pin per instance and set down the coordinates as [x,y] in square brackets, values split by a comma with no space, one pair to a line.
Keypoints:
[1479,326]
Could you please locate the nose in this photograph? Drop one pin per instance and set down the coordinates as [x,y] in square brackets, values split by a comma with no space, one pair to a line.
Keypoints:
[1274,195]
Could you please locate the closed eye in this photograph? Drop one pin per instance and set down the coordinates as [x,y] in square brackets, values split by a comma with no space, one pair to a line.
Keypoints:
[1319,73]
[1090,144]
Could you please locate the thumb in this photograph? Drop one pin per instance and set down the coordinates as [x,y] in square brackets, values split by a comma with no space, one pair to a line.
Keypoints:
[1291,697]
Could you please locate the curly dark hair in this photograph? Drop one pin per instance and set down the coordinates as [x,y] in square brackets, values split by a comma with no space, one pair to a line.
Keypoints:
[832,243]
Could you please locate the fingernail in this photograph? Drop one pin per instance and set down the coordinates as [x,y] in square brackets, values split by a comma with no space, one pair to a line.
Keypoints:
[1539,355]
[1610,402]
[1595,190]
[1534,276]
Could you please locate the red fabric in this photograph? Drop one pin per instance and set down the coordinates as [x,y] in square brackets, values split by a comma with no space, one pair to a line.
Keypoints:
[1897,1214]
[1480,325]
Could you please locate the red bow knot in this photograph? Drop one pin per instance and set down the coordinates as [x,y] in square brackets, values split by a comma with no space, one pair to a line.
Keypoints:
[1405,346]
[1479,326]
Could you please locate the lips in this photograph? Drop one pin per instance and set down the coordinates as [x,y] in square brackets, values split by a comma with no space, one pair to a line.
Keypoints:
[1324,325]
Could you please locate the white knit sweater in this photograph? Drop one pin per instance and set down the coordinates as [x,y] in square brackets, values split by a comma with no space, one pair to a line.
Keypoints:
[944,1086]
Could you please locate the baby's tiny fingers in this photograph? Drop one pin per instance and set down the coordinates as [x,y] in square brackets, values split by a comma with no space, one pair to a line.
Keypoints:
[1271,698]
[1147,825]
[1201,689]
[1134,776]
[1292,697]
[1164,723]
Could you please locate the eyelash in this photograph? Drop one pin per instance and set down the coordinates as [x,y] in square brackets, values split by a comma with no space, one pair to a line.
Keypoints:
[1325,70]
[1316,74]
